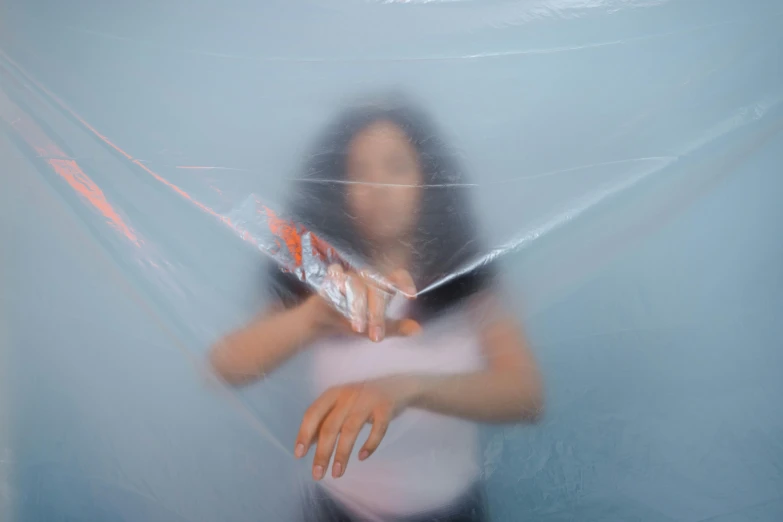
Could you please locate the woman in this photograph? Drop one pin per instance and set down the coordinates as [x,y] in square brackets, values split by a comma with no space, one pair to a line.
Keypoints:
[396,420]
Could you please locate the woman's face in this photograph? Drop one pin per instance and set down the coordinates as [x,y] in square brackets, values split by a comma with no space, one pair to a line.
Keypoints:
[385,178]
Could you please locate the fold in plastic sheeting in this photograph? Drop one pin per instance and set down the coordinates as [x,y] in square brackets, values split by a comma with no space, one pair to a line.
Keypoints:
[623,164]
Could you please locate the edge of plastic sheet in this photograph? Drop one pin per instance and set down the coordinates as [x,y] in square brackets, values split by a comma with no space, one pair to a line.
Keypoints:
[664,186]
[126,248]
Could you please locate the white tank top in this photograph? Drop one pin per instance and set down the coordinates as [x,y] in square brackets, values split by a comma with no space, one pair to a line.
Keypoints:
[426,461]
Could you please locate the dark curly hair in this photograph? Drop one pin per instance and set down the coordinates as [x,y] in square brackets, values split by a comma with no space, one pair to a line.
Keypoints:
[446,238]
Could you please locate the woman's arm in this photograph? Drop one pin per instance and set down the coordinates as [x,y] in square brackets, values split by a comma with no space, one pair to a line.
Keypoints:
[265,344]
[508,390]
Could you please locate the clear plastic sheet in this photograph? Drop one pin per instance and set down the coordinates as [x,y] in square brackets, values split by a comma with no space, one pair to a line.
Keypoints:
[609,170]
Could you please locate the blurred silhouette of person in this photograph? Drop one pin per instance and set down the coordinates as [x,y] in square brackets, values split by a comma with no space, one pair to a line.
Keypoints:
[401,382]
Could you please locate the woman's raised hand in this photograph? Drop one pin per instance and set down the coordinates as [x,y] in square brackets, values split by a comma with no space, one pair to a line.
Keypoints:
[367,302]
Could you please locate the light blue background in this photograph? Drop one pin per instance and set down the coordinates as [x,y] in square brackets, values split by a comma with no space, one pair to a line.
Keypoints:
[630,151]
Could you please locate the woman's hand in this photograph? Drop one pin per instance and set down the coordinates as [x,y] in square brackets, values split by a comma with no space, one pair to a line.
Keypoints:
[367,301]
[342,411]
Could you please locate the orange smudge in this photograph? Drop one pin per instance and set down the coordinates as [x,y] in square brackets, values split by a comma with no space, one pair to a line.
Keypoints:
[324,250]
[292,236]
[288,233]
[66,168]
[70,171]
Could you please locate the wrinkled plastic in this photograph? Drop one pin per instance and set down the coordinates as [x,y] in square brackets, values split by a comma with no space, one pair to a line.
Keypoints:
[620,161]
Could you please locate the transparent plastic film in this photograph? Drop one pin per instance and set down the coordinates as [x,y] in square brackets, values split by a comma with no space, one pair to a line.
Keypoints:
[390,261]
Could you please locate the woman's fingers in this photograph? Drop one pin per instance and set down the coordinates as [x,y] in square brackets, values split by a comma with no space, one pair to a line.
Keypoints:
[337,275]
[368,301]
[348,435]
[336,419]
[356,297]
[333,289]
[323,420]
[404,328]
[311,421]
[327,438]
[377,300]
[380,423]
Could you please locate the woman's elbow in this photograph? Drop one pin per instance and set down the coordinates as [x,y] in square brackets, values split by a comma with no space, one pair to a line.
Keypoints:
[531,403]
[534,409]
[220,363]
[217,364]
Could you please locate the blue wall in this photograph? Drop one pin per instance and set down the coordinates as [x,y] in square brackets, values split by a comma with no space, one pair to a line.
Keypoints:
[628,158]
